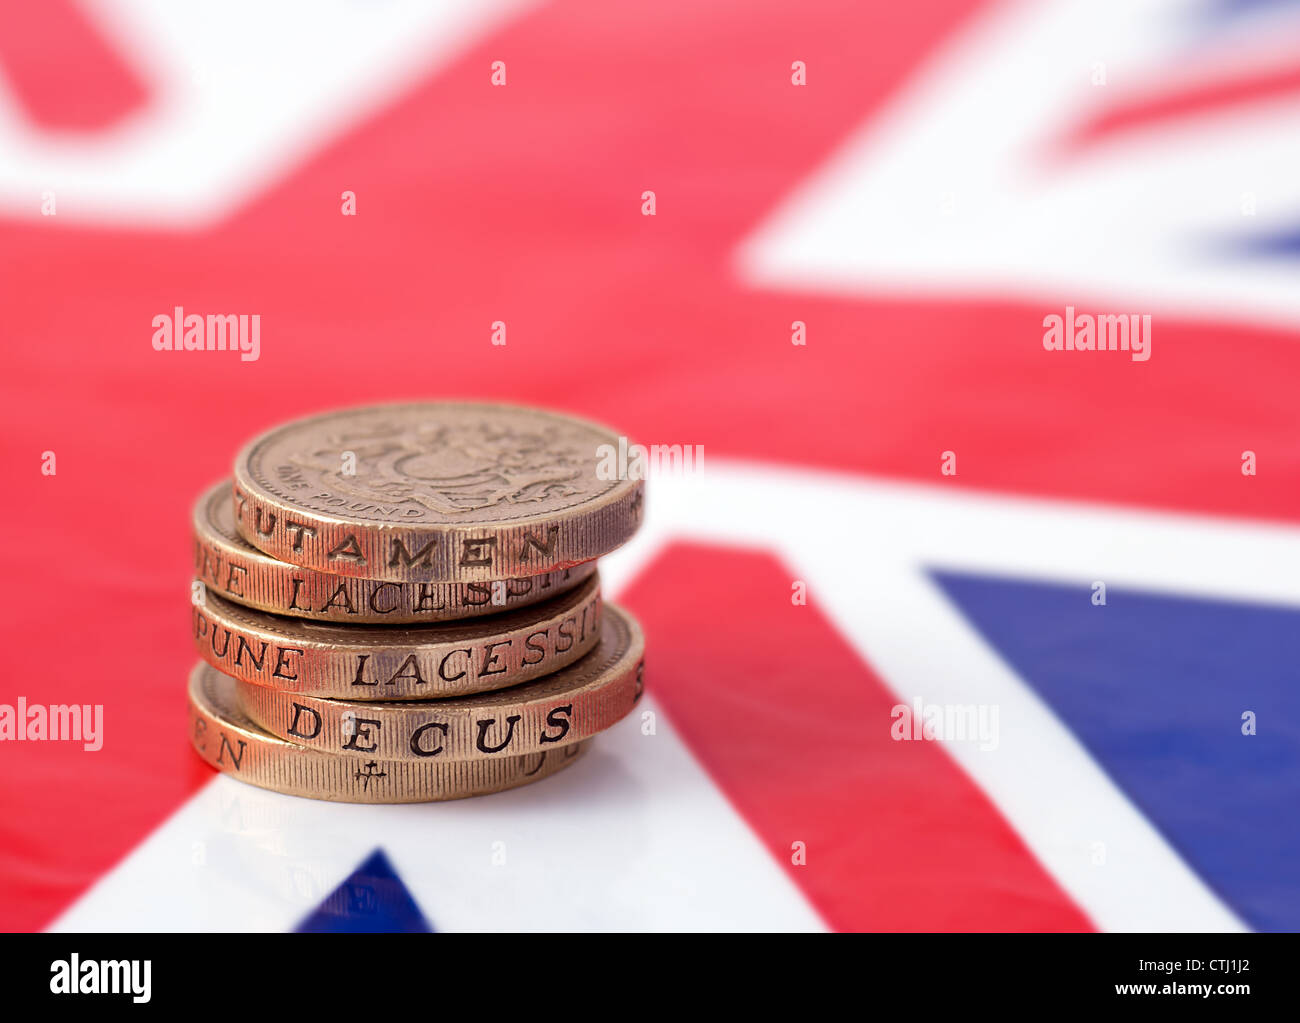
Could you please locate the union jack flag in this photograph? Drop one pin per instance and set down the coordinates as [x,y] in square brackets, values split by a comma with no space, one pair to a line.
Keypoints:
[864,214]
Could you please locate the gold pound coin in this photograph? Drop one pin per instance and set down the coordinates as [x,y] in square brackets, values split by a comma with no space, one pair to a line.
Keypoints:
[230,566]
[224,737]
[380,662]
[437,492]
[566,707]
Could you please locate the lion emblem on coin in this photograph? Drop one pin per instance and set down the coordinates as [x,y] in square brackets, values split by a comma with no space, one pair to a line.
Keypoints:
[449,468]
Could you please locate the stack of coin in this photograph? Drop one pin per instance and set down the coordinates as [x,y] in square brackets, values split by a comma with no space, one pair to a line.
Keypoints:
[400,603]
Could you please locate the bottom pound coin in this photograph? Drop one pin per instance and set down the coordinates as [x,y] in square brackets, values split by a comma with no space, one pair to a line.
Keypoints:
[229,741]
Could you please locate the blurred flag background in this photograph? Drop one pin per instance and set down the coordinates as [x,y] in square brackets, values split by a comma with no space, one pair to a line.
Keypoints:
[821,240]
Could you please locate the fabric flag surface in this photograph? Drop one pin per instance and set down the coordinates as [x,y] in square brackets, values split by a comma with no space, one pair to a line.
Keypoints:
[864,220]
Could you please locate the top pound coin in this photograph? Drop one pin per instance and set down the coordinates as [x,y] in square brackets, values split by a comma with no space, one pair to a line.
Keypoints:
[436,492]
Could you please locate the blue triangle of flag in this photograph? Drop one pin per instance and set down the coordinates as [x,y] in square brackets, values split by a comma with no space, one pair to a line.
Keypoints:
[371,900]
[1189,704]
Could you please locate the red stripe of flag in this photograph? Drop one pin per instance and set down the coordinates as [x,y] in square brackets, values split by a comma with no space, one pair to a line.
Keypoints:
[62,70]
[1187,101]
[795,729]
